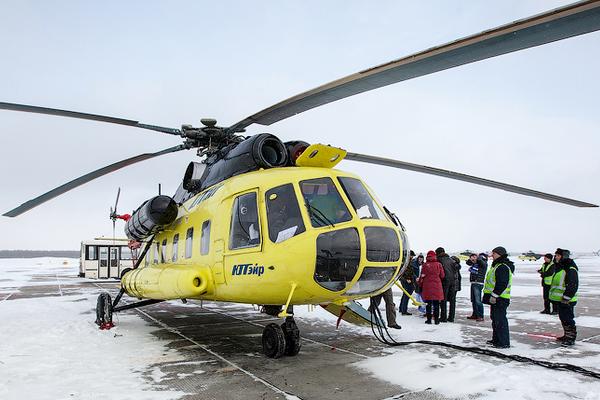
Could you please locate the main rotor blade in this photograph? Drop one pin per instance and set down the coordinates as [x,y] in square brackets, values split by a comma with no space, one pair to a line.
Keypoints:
[80,115]
[86,178]
[561,23]
[465,178]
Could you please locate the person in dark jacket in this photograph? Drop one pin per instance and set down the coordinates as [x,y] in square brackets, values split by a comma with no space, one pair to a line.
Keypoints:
[565,284]
[496,293]
[430,281]
[546,273]
[477,269]
[449,285]
[408,282]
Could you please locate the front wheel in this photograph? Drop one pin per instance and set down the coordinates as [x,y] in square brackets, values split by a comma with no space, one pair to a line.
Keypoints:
[273,341]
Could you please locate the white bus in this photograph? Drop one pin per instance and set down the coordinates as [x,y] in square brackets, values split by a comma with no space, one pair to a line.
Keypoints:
[103,258]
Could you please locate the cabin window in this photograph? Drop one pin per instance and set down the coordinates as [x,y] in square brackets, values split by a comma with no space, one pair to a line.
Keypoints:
[175,247]
[361,200]
[338,257]
[155,251]
[205,238]
[163,251]
[323,202]
[126,253]
[283,213]
[371,280]
[244,230]
[189,239]
[91,253]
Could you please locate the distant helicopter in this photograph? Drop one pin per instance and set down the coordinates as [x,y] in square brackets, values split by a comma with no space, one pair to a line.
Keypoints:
[270,223]
[530,256]
[464,255]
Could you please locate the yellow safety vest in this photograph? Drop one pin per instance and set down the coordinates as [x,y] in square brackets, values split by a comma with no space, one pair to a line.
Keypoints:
[558,286]
[490,281]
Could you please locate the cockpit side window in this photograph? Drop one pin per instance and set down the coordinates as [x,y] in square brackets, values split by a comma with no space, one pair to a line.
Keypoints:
[245,229]
[361,200]
[283,213]
[324,203]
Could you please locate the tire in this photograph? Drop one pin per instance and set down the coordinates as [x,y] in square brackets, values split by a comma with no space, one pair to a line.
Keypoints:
[104,309]
[273,341]
[292,337]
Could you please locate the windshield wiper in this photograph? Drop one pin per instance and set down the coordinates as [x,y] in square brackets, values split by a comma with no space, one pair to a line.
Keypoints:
[318,215]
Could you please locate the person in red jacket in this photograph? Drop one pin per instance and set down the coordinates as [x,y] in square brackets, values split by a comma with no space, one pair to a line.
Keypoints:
[430,282]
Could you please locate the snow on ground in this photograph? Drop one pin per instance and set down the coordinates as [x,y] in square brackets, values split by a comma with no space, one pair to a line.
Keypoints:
[51,349]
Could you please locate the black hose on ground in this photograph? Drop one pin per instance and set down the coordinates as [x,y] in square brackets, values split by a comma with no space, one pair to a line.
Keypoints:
[381,333]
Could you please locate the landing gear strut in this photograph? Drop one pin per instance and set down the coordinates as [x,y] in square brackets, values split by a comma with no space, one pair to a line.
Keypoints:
[281,340]
[105,308]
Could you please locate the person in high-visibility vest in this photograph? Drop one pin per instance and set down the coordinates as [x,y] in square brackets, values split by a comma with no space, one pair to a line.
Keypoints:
[546,273]
[496,293]
[565,284]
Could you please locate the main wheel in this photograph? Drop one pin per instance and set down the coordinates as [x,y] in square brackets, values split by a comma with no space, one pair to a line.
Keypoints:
[273,341]
[104,311]
[292,337]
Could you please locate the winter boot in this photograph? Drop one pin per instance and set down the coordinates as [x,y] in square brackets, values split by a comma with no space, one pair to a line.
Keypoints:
[436,319]
[570,336]
[562,338]
[428,321]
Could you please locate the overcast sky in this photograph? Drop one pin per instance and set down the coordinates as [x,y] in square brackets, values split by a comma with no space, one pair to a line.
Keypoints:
[529,118]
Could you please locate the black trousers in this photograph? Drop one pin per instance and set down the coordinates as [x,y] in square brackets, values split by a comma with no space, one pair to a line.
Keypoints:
[500,333]
[449,300]
[436,309]
[566,313]
[410,288]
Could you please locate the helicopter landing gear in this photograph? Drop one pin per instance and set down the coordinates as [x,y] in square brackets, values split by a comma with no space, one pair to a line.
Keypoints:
[281,340]
[292,336]
[104,311]
[273,341]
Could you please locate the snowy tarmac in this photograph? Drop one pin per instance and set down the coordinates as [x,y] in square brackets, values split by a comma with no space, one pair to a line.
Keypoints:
[50,347]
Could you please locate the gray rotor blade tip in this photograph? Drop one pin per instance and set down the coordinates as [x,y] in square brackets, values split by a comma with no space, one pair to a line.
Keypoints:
[388,162]
[86,178]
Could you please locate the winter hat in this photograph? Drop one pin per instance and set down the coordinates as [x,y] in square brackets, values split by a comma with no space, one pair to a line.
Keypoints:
[501,251]
[548,255]
[412,253]
[439,250]
[559,251]
[566,253]
[430,253]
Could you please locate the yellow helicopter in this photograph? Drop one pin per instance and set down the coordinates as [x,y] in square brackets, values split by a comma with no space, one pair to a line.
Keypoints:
[265,222]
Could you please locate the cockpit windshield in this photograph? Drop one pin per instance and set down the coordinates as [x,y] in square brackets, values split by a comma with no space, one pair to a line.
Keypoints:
[324,203]
[361,200]
[283,213]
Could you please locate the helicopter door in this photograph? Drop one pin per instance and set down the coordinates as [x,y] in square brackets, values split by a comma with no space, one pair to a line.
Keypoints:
[103,272]
[114,262]
[244,239]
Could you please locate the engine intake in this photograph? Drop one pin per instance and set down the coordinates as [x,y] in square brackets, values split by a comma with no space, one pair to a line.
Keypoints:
[150,217]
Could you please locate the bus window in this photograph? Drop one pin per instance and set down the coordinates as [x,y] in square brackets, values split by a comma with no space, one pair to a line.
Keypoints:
[126,253]
[205,239]
[91,253]
[244,230]
[175,247]
[163,251]
[189,238]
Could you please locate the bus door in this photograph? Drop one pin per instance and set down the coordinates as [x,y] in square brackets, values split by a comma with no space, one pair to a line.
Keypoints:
[103,270]
[114,262]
